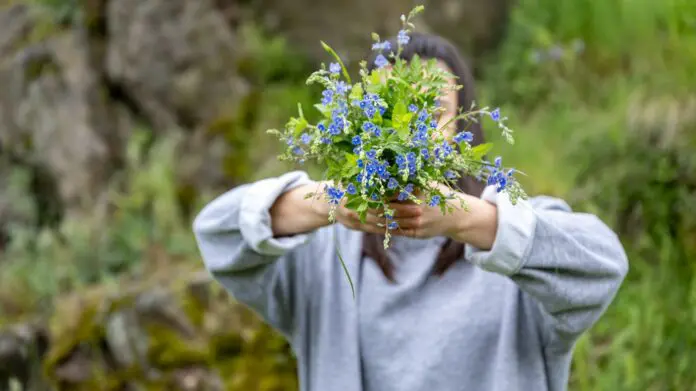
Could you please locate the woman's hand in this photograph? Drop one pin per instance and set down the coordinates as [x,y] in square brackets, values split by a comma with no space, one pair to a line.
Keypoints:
[476,225]
[376,222]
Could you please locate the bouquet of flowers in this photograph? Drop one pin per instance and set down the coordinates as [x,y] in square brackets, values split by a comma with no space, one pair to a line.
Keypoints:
[379,138]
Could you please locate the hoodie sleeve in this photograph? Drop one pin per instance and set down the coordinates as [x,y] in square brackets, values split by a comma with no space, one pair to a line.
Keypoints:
[571,264]
[236,243]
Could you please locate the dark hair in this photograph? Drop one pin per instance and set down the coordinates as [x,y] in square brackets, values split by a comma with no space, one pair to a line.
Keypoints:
[428,46]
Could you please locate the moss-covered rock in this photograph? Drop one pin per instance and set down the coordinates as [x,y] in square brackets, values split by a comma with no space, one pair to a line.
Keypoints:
[184,333]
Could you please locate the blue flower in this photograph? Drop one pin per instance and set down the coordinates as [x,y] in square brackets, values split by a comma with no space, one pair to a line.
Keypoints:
[356,140]
[447,148]
[321,127]
[403,196]
[335,68]
[377,131]
[393,225]
[403,37]
[334,130]
[434,201]
[450,175]
[357,150]
[371,154]
[433,124]
[411,157]
[351,189]
[381,61]
[498,161]
[381,46]
[335,195]
[412,108]
[401,161]
[342,87]
[298,151]
[422,116]
[409,188]
[325,140]
[374,196]
[425,153]
[370,112]
[290,142]
[371,169]
[361,163]
[368,126]
[392,184]
[495,115]
[463,136]
[306,138]
[327,97]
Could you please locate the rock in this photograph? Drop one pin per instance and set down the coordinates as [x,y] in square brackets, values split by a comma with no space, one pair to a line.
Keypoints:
[21,349]
[474,25]
[176,57]
[56,117]
[16,25]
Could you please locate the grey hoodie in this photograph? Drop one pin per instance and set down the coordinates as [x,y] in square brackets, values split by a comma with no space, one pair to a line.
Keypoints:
[501,320]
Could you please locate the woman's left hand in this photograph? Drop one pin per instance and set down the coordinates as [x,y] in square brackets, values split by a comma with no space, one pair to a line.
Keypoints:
[475,225]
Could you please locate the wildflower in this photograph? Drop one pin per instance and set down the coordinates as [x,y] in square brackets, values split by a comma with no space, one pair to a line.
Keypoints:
[381,61]
[434,201]
[306,138]
[327,97]
[495,115]
[351,189]
[463,136]
[392,184]
[356,140]
[450,175]
[425,153]
[403,37]
[381,46]
[361,163]
[401,162]
[412,108]
[321,127]
[342,88]
[393,225]
[371,154]
[298,151]
[374,196]
[335,68]
[335,195]
[422,116]
[325,140]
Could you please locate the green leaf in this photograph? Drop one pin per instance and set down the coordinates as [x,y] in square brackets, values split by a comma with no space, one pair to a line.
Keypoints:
[356,92]
[326,112]
[300,126]
[481,150]
[354,203]
[399,110]
[338,59]
[299,110]
[343,264]
[362,207]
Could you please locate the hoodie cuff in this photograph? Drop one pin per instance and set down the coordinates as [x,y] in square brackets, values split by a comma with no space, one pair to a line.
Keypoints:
[513,239]
[255,216]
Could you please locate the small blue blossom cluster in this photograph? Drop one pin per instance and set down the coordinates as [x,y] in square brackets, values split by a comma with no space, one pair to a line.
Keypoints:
[383,138]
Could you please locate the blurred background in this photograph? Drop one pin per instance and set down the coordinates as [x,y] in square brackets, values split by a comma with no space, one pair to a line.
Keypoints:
[119,119]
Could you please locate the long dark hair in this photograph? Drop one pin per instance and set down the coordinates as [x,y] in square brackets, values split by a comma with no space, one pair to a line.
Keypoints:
[428,46]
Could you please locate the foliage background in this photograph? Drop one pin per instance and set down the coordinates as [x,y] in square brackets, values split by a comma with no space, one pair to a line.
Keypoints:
[602,96]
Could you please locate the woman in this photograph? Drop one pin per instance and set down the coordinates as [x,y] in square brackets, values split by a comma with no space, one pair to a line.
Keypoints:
[491,298]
